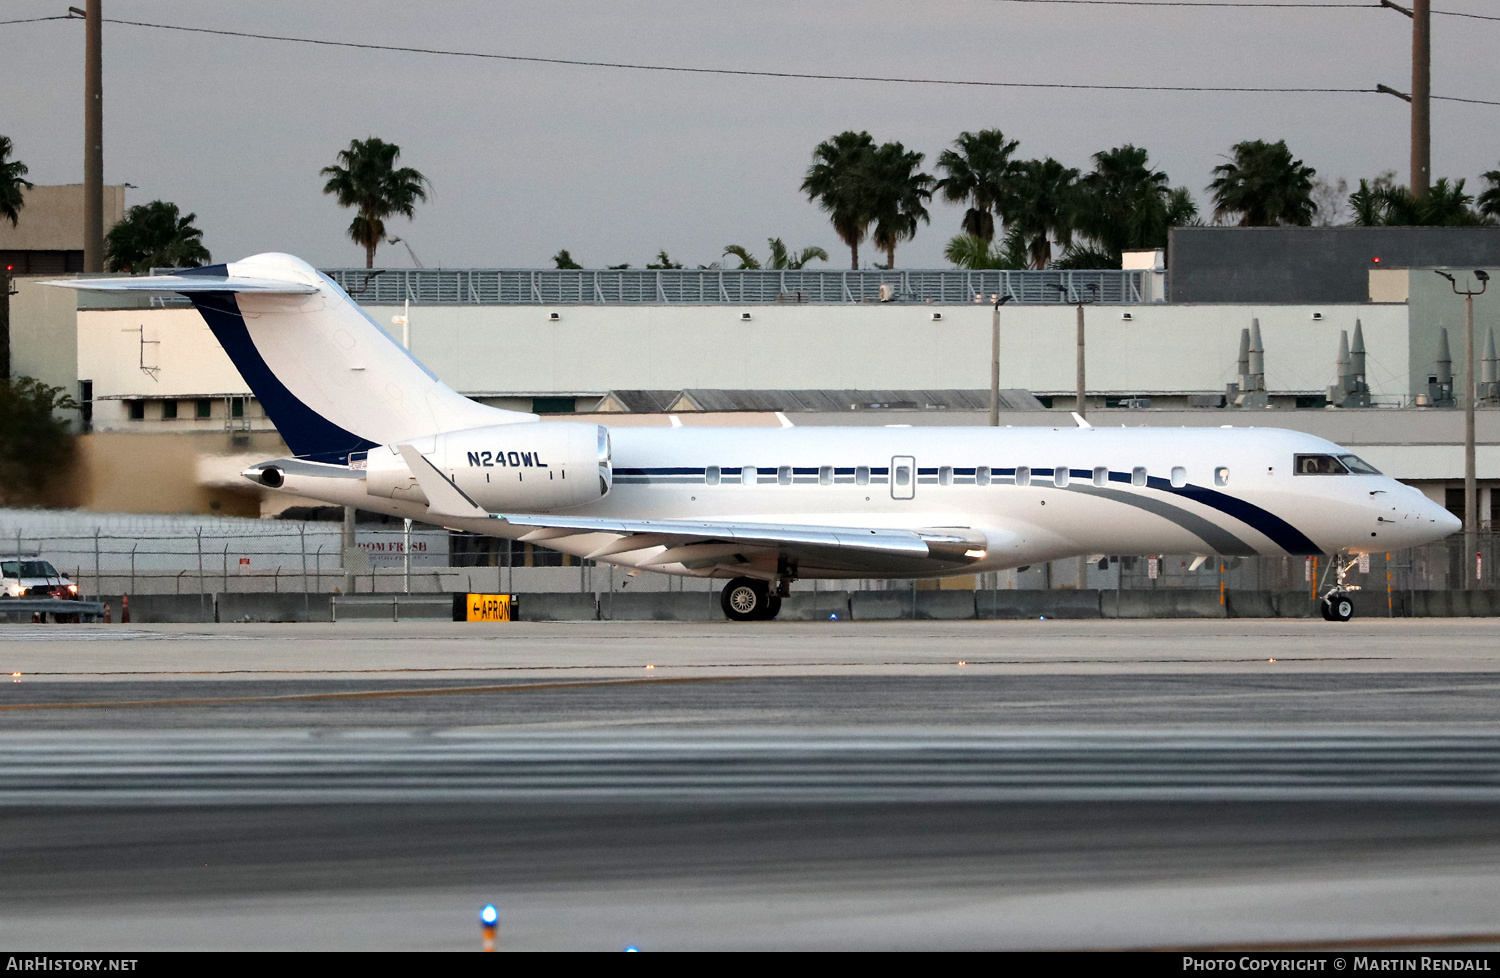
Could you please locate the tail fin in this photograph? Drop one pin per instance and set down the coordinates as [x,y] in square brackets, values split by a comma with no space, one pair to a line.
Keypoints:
[330,379]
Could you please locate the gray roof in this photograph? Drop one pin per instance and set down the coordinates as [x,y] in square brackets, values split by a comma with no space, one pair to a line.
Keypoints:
[812,401]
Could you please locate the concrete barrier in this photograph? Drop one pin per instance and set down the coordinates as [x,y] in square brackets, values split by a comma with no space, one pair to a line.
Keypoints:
[286,606]
[945,605]
[556,606]
[661,606]
[822,606]
[151,609]
[1454,604]
[1163,603]
[881,605]
[1036,604]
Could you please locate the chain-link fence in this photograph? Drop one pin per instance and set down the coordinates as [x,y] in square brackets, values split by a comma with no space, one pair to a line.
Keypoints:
[196,555]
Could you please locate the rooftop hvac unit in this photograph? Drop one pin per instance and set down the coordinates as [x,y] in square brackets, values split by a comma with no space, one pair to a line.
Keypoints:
[887,293]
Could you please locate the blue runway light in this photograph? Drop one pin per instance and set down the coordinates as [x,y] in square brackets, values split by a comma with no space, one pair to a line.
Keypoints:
[632,949]
[489,915]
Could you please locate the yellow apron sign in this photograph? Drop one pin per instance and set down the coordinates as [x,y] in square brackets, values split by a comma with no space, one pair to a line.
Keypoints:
[482,607]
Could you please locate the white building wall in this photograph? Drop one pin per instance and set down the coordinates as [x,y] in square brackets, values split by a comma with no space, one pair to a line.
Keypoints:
[897,346]
[495,349]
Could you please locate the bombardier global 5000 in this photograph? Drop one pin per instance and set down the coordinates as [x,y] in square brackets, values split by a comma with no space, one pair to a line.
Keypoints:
[370,427]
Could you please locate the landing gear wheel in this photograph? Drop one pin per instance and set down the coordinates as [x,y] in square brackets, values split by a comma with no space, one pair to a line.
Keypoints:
[1338,607]
[744,599]
[773,607]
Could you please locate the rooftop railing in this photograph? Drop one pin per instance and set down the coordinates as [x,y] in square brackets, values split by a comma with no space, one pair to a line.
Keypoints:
[490,286]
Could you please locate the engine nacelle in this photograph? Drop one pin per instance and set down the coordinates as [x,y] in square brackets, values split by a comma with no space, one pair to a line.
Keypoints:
[525,467]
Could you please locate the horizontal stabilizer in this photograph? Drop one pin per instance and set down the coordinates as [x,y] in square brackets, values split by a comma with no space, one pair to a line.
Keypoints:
[188,284]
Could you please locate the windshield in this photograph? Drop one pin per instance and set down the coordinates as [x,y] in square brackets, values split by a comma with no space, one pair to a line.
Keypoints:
[1358,465]
[1319,465]
[28,568]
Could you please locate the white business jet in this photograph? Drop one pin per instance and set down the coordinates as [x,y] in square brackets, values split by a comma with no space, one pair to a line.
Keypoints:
[371,427]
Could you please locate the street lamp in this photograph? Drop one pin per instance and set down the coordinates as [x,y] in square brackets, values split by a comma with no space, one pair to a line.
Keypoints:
[1063,291]
[1000,300]
[1471,491]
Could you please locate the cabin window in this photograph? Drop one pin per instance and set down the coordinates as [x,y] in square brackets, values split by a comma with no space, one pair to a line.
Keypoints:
[825,475]
[862,475]
[1138,475]
[1179,477]
[748,474]
[945,475]
[1318,465]
[711,475]
[1358,465]
[1221,475]
[982,475]
[1101,475]
[903,475]
[1023,475]
[784,475]
[1060,476]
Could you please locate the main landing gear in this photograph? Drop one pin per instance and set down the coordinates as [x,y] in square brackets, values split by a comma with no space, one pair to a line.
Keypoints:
[1337,604]
[746,599]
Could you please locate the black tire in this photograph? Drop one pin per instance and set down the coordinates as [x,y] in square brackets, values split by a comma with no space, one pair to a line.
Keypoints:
[744,599]
[1325,608]
[1340,607]
[773,607]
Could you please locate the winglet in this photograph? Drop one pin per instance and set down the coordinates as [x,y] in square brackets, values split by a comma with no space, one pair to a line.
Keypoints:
[1081,420]
[444,498]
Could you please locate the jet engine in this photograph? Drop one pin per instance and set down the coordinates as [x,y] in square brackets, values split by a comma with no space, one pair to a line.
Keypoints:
[526,467]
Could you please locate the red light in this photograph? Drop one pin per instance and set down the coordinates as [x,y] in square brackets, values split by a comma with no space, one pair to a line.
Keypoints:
[1376,259]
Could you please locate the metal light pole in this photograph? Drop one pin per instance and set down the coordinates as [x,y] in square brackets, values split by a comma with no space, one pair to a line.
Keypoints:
[405,322]
[1471,490]
[1000,300]
[93,140]
[1063,290]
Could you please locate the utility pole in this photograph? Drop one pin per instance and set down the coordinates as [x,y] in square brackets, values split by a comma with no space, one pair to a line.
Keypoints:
[1471,490]
[93,140]
[1081,302]
[1000,300]
[1421,97]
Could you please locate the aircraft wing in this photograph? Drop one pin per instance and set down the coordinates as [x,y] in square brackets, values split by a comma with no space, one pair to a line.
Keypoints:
[707,543]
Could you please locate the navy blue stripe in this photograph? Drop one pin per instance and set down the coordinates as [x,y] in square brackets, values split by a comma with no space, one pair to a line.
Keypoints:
[306,432]
[1283,534]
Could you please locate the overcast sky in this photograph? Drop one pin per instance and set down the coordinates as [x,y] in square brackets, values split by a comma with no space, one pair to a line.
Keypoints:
[615,164]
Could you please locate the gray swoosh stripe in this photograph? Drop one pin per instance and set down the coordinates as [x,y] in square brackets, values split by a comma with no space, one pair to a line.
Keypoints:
[1221,540]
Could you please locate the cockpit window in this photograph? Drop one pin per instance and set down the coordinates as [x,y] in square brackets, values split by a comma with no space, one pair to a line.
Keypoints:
[1358,465]
[1318,465]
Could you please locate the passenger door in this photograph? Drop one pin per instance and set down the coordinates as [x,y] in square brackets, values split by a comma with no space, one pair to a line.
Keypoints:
[903,477]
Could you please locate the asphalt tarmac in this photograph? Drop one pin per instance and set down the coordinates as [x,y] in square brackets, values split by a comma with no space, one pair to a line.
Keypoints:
[903,785]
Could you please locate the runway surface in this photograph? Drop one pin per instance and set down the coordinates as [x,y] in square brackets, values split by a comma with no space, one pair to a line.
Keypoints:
[901,785]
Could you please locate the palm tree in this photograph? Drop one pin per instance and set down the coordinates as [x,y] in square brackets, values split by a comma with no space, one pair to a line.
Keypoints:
[1391,205]
[1041,203]
[781,258]
[369,181]
[1264,186]
[977,173]
[898,195]
[972,251]
[13,184]
[154,235]
[1489,201]
[564,260]
[838,183]
[1123,205]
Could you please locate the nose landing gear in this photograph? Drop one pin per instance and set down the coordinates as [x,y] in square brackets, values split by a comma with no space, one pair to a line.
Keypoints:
[1337,604]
